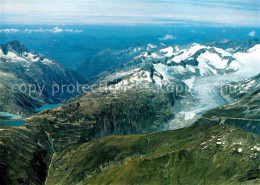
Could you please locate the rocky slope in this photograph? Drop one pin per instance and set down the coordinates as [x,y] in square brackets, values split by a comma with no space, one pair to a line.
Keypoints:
[236,90]
[135,104]
[196,155]
[237,45]
[108,59]
[21,69]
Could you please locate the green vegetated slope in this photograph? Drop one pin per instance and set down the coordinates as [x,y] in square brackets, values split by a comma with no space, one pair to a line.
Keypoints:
[25,155]
[220,154]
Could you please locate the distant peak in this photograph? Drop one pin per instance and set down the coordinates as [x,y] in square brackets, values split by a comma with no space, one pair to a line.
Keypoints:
[15,42]
[14,46]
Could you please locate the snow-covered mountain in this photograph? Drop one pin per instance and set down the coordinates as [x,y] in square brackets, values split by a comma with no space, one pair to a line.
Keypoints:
[181,61]
[192,73]
[27,78]
[198,70]
[147,94]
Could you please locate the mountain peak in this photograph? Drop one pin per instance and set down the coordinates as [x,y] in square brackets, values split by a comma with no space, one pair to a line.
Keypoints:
[14,46]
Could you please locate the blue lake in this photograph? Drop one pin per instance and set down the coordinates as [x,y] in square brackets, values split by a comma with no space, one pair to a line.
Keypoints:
[13,122]
[47,106]
[10,116]
[15,119]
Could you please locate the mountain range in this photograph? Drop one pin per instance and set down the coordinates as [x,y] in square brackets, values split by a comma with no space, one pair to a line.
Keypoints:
[154,119]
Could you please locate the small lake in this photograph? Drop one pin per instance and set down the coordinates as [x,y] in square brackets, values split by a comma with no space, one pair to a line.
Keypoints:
[47,106]
[13,122]
[10,116]
[14,119]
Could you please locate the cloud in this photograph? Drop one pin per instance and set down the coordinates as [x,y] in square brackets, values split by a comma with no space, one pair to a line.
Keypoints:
[11,30]
[56,30]
[58,12]
[71,31]
[252,33]
[167,37]
[52,30]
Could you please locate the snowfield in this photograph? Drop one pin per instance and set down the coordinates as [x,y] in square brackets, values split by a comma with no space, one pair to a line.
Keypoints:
[205,86]
[249,62]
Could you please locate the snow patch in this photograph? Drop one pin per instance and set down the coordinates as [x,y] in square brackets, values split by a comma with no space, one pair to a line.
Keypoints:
[151,46]
[47,61]
[249,61]
[222,52]
[187,52]
[31,57]
[11,57]
[168,51]
[163,70]
[213,59]
[188,115]
[256,148]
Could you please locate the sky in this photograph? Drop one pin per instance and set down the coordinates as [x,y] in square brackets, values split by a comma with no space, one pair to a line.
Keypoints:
[241,13]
